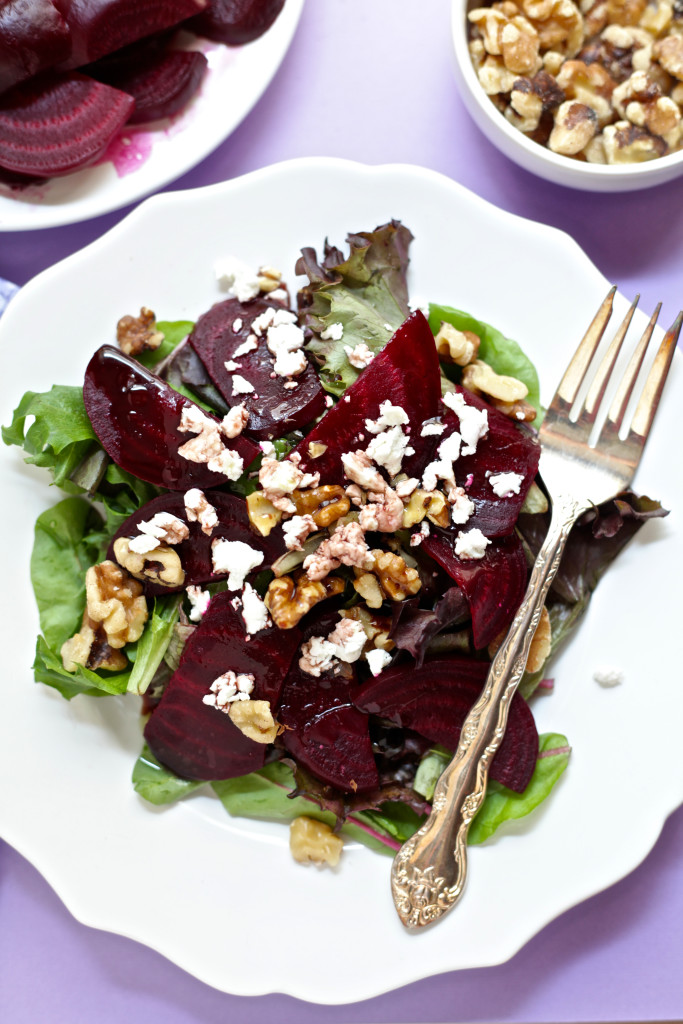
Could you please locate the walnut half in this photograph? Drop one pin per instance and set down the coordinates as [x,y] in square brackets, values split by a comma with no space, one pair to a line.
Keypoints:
[314,841]
[289,599]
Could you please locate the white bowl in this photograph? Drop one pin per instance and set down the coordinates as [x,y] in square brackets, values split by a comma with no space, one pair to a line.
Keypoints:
[531,155]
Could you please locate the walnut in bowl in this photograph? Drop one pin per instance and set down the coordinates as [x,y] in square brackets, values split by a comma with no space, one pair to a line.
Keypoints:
[586,93]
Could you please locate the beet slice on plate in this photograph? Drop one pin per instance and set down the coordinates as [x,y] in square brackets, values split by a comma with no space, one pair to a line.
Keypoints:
[434,701]
[58,123]
[136,417]
[195,552]
[274,409]
[236,22]
[493,585]
[160,83]
[33,37]
[198,741]
[99,27]
[405,373]
[507,448]
[325,732]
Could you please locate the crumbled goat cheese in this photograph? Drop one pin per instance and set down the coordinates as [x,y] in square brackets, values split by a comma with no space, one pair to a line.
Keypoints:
[474,423]
[235,421]
[419,535]
[279,295]
[329,401]
[333,332]
[607,675]
[165,527]
[389,416]
[430,429]
[143,543]
[406,487]
[237,325]
[254,611]
[471,544]
[236,558]
[442,468]
[462,507]
[231,366]
[267,447]
[296,530]
[317,656]
[207,447]
[360,356]
[199,510]
[237,278]
[279,479]
[240,385]
[199,600]
[228,688]
[377,660]
[250,345]
[349,639]
[506,484]
[388,448]
[383,512]
[346,546]
[290,364]
[358,468]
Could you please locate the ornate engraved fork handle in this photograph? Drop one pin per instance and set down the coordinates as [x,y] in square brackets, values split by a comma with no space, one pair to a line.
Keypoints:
[428,873]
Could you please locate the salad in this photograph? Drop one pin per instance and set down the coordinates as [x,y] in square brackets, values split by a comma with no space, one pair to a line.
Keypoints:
[298,537]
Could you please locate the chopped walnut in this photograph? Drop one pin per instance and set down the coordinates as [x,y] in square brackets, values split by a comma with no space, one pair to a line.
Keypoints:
[625,143]
[346,546]
[115,602]
[479,376]
[395,578]
[575,126]
[325,504]
[289,599]
[314,841]
[90,648]
[377,627]
[540,643]
[162,565]
[669,53]
[369,589]
[521,411]
[590,84]
[426,503]
[134,334]
[262,513]
[255,719]
[456,346]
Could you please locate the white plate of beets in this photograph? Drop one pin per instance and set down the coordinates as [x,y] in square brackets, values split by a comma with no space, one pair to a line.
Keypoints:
[105,101]
[220,895]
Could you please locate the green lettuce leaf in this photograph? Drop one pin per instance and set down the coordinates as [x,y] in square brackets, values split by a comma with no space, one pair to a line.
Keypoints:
[48,669]
[66,544]
[148,652]
[60,437]
[503,354]
[366,292]
[174,332]
[157,784]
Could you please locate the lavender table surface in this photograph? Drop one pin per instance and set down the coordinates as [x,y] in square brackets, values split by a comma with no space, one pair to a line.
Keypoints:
[371,80]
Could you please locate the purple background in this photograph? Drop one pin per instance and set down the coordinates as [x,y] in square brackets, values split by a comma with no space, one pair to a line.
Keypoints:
[371,80]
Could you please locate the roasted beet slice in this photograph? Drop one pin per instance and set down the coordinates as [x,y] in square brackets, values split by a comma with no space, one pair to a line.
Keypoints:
[274,409]
[236,22]
[161,84]
[507,448]
[58,123]
[99,27]
[493,585]
[434,701]
[405,373]
[136,416]
[325,732]
[198,741]
[33,37]
[195,552]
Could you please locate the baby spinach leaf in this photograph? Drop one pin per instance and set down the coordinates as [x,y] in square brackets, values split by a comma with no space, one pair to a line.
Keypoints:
[157,784]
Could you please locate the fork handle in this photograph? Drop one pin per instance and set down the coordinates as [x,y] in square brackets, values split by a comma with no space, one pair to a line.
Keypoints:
[429,871]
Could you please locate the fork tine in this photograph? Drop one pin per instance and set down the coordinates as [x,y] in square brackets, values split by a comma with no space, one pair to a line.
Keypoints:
[615,417]
[599,383]
[576,371]
[654,384]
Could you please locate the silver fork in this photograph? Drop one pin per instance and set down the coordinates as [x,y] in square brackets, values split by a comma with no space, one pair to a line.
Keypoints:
[429,871]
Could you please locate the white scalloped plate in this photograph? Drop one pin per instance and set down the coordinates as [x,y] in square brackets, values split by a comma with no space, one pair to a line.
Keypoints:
[144,158]
[221,897]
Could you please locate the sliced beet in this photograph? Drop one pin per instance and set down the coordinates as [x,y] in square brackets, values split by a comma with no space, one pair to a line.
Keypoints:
[507,448]
[325,732]
[198,741]
[273,408]
[195,552]
[405,373]
[58,123]
[33,37]
[493,585]
[161,85]
[236,22]
[435,699]
[99,27]
[136,416]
